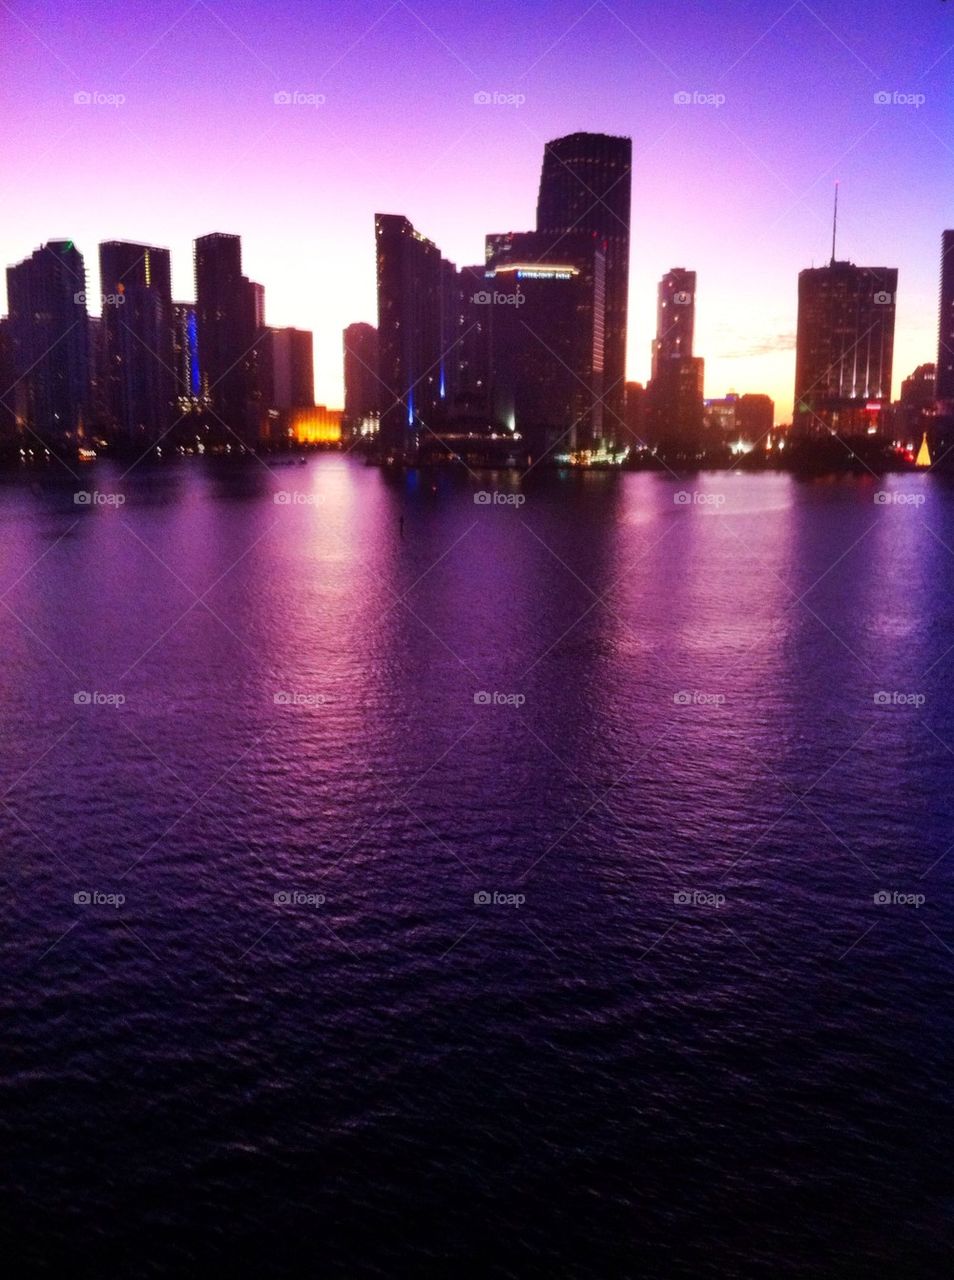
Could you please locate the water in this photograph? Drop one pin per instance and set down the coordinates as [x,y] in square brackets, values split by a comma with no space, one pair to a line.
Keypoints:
[697,1047]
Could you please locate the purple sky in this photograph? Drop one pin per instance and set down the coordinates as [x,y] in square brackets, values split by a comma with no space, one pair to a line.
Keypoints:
[740,189]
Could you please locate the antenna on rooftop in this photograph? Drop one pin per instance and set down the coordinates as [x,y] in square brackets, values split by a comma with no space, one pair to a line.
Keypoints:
[834,226]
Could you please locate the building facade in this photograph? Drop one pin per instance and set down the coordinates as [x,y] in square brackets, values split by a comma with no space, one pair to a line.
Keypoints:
[48,334]
[844,350]
[137,336]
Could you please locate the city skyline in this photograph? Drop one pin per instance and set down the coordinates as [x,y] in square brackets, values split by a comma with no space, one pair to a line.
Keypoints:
[714,182]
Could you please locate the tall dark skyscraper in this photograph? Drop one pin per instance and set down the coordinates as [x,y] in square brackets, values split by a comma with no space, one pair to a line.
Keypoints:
[546,316]
[137,337]
[185,356]
[291,368]
[49,343]
[675,317]
[361,387]
[585,185]
[675,394]
[945,344]
[844,349]
[230,330]
[418,310]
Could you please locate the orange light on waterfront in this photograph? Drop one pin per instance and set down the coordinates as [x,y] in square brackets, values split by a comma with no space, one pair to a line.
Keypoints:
[315,424]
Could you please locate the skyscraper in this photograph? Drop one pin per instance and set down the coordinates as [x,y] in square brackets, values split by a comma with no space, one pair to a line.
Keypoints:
[361,387]
[546,319]
[137,337]
[844,349]
[675,394]
[230,329]
[585,186]
[185,356]
[49,343]
[945,344]
[417,333]
[291,367]
[675,317]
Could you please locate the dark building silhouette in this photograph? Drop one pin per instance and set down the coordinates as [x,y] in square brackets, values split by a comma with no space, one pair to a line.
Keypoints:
[945,344]
[754,418]
[418,313]
[472,408]
[916,411]
[546,321]
[291,366]
[585,186]
[676,417]
[49,343]
[675,317]
[636,408]
[230,331]
[8,421]
[844,349]
[137,336]
[361,386]
[185,357]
